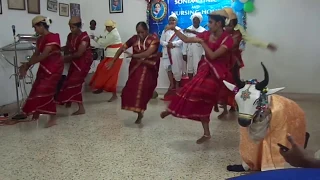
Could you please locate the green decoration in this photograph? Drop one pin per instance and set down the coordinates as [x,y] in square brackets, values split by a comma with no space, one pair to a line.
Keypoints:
[248,7]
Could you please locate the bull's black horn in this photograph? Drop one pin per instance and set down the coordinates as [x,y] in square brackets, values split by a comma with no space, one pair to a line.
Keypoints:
[261,85]
[240,84]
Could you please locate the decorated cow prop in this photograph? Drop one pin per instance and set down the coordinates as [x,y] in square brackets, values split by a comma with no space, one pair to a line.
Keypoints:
[265,119]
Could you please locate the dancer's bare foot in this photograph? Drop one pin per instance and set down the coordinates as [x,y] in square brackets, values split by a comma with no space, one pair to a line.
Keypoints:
[114,97]
[97,91]
[139,118]
[203,139]
[216,108]
[164,114]
[35,116]
[68,104]
[80,111]
[223,115]
[52,121]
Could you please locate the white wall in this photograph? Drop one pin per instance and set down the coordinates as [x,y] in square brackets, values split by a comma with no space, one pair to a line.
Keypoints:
[22,21]
[293,25]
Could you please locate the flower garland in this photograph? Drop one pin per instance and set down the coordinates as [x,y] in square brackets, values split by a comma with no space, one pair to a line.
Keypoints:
[263,100]
[148,10]
[155,93]
[244,19]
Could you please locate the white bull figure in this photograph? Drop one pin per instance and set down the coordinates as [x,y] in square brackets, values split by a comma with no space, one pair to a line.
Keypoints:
[265,120]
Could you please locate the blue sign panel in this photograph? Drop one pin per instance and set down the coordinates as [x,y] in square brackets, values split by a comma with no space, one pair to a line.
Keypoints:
[160,10]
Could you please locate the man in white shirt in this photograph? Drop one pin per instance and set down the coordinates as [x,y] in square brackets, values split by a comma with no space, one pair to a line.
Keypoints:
[193,52]
[172,54]
[106,79]
[93,34]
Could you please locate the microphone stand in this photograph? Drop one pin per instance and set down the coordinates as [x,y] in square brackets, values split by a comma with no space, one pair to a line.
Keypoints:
[19,115]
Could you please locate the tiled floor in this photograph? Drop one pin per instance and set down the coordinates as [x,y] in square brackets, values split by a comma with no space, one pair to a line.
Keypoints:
[106,144]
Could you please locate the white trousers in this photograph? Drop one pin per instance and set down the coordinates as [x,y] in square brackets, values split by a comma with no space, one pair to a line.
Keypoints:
[194,54]
[192,64]
[176,66]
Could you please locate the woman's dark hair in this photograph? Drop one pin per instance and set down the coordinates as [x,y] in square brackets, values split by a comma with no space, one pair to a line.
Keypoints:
[143,25]
[44,24]
[93,21]
[78,25]
[234,21]
[218,18]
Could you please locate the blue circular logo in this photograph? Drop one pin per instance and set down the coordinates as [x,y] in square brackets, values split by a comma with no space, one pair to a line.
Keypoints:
[158,10]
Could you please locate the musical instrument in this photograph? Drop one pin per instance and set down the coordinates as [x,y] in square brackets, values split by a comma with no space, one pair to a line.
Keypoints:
[21,42]
[97,53]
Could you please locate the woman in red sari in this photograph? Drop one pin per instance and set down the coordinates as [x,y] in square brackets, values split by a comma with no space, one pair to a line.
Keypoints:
[196,99]
[143,70]
[47,54]
[78,54]
[226,97]
[238,34]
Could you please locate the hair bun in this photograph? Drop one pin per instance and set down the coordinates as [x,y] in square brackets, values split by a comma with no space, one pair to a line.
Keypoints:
[48,21]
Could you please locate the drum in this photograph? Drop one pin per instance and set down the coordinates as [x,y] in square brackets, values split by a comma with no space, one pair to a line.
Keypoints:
[97,53]
[94,53]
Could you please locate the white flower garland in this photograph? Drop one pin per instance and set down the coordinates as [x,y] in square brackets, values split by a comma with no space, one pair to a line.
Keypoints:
[48,21]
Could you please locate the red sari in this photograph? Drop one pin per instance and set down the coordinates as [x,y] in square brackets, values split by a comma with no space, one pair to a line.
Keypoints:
[226,96]
[196,99]
[236,52]
[104,78]
[143,75]
[78,70]
[41,97]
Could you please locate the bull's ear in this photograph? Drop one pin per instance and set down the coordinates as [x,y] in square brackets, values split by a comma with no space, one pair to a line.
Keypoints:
[275,90]
[230,86]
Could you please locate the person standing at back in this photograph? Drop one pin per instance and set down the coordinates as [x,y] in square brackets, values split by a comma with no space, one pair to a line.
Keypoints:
[172,53]
[193,52]
[238,34]
[106,79]
[93,34]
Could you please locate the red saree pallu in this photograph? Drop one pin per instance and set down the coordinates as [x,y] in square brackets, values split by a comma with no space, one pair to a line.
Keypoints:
[143,75]
[236,52]
[236,63]
[196,99]
[41,97]
[169,49]
[225,95]
[78,70]
[104,78]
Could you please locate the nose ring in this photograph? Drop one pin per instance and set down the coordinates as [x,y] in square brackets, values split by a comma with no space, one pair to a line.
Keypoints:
[245,120]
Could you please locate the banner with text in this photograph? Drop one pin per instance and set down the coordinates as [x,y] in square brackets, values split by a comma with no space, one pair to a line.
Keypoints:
[160,10]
